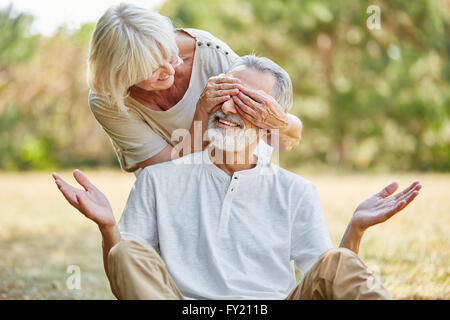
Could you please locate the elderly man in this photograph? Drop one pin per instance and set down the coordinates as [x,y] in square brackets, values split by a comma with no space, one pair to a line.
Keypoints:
[229,225]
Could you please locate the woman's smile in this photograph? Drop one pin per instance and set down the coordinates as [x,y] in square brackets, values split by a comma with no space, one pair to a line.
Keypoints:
[167,77]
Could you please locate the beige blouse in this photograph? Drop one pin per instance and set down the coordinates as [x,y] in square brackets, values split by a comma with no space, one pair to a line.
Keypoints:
[143,132]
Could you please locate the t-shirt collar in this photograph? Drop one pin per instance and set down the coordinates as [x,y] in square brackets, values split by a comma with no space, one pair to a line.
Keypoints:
[256,170]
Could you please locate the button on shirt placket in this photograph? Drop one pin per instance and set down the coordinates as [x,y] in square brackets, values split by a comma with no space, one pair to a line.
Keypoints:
[226,206]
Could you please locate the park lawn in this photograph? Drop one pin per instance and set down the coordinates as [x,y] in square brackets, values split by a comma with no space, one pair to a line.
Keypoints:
[41,235]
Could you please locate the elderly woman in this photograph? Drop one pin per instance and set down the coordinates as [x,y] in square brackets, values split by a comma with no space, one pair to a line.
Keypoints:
[146,79]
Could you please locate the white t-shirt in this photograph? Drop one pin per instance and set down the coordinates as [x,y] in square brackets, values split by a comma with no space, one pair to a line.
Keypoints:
[225,237]
[143,132]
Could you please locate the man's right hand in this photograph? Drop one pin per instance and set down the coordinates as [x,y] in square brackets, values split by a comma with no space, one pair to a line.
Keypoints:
[90,201]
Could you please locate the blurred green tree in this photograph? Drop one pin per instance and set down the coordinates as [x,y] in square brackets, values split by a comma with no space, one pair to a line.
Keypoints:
[45,121]
[16,44]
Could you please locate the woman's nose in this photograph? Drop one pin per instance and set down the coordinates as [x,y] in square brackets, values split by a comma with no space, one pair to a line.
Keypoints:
[169,69]
[228,107]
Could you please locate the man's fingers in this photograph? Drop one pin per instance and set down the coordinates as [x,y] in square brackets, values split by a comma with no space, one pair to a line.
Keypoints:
[61,183]
[84,209]
[410,196]
[403,196]
[68,191]
[400,205]
[83,180]
[408,189]
[388,190]
[55,176]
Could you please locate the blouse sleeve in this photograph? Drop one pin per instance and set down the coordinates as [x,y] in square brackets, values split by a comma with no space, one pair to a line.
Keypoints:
[132,138]
[217,56]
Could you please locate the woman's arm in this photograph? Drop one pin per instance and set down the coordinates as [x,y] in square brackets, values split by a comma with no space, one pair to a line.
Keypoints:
[185,146]
[135,142]
[287,138]
[162,156]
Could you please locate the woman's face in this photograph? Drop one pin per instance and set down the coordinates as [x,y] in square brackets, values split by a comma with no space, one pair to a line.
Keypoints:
[162,78]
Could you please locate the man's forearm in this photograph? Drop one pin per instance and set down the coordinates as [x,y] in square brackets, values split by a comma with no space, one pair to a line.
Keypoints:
[351,238]
[288,138]
[110,236]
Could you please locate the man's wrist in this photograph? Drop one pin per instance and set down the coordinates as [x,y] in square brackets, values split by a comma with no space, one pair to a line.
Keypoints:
[355,230]
[352,237]
[110,235]
[107,229]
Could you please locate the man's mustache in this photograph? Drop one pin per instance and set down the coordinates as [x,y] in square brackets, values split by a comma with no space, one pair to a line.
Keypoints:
[220,114]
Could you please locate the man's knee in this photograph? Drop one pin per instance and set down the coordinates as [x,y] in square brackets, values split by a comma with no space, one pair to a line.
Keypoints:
[126,251]
[119,251]
[339,253]
[336,255]
[350,277]
[338,259]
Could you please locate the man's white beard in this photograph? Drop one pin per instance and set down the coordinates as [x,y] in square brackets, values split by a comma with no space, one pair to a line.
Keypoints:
[229,140]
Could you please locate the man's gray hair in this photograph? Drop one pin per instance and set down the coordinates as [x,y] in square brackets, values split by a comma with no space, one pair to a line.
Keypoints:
[282,91]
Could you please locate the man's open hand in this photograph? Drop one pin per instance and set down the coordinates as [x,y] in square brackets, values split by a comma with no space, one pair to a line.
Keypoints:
[90,201]
[381,206]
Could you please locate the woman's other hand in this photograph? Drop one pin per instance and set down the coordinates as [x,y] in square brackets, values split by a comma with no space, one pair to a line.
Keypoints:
[261,109]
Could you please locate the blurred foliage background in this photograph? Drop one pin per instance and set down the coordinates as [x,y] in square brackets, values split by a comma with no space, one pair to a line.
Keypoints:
[369,99]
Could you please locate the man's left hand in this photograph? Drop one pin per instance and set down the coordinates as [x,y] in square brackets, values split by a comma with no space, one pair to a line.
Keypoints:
[377,209]
[382,206]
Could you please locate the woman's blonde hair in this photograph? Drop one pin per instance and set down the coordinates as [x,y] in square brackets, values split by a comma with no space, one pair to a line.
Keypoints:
[127,45]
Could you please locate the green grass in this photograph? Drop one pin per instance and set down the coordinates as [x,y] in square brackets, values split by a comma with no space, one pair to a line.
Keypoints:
[41,235]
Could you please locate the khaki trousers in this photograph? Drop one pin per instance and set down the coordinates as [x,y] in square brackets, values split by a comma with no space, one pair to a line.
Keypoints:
[136,271]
